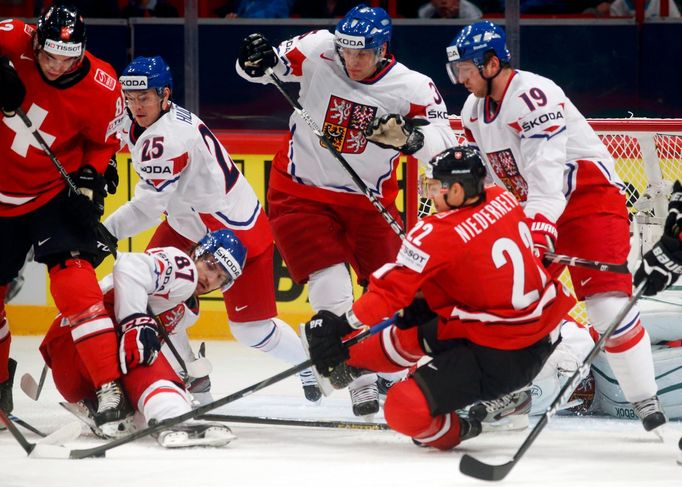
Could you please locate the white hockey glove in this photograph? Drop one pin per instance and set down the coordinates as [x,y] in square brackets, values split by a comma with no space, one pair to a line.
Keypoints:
[397,132]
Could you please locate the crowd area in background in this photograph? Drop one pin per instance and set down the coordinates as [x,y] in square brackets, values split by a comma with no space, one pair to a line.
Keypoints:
[425,9]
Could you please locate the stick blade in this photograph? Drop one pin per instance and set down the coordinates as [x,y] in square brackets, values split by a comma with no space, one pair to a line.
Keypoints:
[65,434]
[472,467]
[29,386]
[41,450]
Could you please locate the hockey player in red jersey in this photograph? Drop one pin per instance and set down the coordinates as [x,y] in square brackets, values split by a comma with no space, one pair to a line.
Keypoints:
[166,282]
[347,79]
[496,310]
[538,145]
[75,101]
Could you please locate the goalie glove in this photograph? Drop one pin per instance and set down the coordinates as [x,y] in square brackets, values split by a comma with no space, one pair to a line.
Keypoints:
[256,55]
[397,132]
[673,223]
[140,343]
[661,266]
[544,235]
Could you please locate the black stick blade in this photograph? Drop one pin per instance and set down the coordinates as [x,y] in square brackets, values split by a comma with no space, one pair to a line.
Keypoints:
[472,467]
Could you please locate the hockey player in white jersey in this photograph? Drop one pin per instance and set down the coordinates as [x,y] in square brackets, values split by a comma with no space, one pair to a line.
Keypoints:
[186,174]
[146,290]
[538,145]
[320,218]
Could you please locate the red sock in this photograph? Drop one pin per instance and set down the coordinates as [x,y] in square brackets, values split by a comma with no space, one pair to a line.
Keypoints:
[407,412]
[78,296]
[391,350]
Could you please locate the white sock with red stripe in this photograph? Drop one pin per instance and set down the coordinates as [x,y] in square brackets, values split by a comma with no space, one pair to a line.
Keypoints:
[162,400]
[628,350]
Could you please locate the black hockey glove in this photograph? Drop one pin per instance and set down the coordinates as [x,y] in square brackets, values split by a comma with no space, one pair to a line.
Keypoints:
[324,333]
[397,132]
[673,223]
[256,55]
[140,343]
[88,206]
[416,313]
[12,90]
[661,266]
[106,244]
[111,175]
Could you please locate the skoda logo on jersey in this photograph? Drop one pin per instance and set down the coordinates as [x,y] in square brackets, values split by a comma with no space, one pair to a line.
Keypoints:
[156,170]
[226,260]
[352,42]
[71,49]
[453,53]
[542,119]
[133,82]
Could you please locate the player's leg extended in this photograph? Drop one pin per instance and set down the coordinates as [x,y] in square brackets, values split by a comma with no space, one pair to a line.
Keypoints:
[605,236]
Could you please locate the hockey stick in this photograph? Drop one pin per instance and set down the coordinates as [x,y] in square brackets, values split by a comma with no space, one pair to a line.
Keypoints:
[29,386]
[105,239]
[100,450]
[199,368]
[353,425]
[397,228]
[552,258]
[475,468]
[47,447]
[27,426]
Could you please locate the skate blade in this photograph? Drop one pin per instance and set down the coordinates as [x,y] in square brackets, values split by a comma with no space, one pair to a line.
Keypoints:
[514,422]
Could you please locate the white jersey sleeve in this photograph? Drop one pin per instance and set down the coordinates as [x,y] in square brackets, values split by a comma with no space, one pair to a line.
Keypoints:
[160,279]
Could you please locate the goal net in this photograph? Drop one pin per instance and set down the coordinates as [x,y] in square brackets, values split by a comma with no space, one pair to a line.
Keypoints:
[648,155]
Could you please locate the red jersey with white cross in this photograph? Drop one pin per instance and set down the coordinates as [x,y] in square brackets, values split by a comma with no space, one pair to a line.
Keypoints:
[477,271]
[79,123]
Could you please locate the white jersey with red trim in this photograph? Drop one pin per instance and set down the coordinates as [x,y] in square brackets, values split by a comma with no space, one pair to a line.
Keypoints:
[186,173]
[342,108]
[532,141]
[161,279]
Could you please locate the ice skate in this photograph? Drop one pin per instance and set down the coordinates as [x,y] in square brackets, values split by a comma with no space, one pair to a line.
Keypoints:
[310,389]
[364,396]
[509,412]
[650,412]
[196,433]
[114,416]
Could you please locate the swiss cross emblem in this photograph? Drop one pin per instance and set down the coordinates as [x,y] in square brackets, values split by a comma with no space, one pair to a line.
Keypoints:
[504,166]
[344,123]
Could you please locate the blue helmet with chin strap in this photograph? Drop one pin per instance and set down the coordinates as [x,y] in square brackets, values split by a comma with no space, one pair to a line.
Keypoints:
[472,44]
[364,27]
[223,248]
[145,73]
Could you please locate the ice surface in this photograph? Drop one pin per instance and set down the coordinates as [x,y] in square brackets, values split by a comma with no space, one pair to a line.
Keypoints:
[570,452]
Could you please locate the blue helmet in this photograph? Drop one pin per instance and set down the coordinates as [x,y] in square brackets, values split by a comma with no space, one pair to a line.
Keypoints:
[473,42]
[364,27]
[145,73]
[225,249]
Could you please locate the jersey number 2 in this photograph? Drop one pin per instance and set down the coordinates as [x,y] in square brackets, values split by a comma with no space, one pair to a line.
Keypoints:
[506,251]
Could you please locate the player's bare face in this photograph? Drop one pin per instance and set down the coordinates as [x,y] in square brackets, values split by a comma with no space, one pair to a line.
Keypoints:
[145,105]
[53,65]
[360,63]
[210,276]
